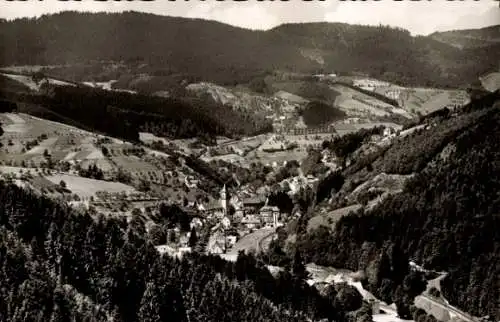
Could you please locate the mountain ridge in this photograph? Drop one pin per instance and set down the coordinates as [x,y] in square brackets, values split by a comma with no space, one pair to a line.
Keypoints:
[464,38]
[214,51]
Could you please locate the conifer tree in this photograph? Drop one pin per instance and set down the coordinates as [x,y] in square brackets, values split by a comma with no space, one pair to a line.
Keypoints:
[193,238]
[298,267]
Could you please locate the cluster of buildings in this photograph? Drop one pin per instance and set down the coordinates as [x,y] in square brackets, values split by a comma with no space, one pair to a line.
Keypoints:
[229,219]
[326,129]
[234,218]
[249,213]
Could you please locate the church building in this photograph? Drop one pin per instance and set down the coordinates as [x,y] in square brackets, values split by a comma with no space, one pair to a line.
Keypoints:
[218,208]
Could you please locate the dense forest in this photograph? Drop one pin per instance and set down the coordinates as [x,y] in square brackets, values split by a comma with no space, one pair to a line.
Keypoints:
[62,265]
[318,113]
[156,45]
[124,115]
[445,219]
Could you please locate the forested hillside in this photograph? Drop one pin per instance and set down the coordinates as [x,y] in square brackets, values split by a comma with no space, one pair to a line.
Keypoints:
[470,37]
[124,115]
[446,218]
[172,46]
[60,265]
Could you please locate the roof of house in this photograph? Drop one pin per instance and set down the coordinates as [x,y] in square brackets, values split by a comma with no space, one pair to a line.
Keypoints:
[251,219]
[213,205]
[270,208]
[254,200]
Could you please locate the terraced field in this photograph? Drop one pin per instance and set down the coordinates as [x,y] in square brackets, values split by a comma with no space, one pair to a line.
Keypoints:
[357,104]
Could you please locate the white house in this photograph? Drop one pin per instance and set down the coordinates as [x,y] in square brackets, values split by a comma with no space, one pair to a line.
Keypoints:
[251,221]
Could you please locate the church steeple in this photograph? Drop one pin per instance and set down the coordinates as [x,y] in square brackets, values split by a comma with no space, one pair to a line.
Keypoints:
[223,199]
[223,192]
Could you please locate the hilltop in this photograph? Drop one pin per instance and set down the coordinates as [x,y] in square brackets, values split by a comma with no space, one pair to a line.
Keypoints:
[470,38]
[159,45]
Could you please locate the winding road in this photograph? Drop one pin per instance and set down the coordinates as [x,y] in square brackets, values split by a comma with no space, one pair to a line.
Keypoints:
[450,309]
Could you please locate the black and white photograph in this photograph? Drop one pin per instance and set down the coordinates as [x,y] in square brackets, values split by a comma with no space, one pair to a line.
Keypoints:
[249,161]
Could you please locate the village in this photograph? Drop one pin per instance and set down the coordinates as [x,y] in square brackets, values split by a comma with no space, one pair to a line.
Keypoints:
[95,173]
[104,175]
[227,220]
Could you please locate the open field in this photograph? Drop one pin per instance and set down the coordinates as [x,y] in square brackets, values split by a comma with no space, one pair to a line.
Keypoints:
[246,143]
[31,84]
[357,104]
[147,137]
[26,138]
[291,97]
[36,141]
[85,187]
[133,163]
[428,100]
[329,219]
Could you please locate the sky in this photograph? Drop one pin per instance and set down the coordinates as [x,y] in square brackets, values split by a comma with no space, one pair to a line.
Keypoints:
[419,17]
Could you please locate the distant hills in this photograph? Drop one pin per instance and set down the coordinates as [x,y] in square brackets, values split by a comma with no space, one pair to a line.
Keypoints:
[470,38]
[212,51]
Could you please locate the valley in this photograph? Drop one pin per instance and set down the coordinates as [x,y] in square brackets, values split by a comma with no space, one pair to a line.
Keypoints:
[157,175]
[238,175]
